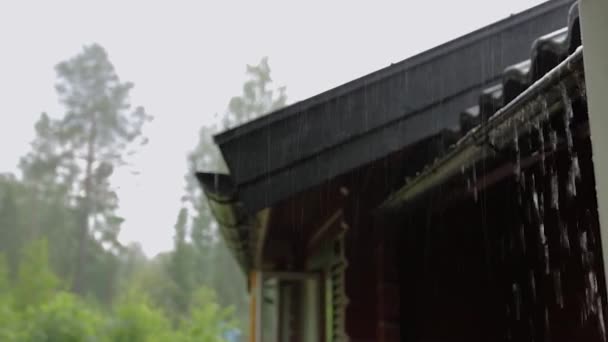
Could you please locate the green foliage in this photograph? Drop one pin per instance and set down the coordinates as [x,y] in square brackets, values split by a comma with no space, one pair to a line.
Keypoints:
[36,283]
[135,319]
[181,267]
[64,199]
[64,318]
[72,160]
[208,320]
[9,319]
[12,232]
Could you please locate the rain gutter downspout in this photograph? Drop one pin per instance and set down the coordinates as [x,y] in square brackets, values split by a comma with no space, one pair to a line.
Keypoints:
[486,139]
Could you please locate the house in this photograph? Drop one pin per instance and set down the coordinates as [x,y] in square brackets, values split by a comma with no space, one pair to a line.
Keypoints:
[447,197]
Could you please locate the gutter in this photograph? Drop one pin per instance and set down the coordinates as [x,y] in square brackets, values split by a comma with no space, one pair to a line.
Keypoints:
[235,226]
[487,139]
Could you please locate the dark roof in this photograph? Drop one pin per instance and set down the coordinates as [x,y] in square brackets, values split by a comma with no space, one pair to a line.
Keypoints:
[527,91]
[546,53]
[285,152]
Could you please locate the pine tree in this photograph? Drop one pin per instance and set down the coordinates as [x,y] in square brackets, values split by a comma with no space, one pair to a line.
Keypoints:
[75,155]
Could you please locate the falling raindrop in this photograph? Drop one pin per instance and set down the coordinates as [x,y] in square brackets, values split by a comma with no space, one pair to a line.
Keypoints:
[547,320]
[583,245]
[522,238]
[554,191]
[571,183]
[575,168]
[517,299]
[580,81]
[553,140]
[557,286]
[544,110]
[566,101]
[584,310]
[565,240]
[533,285]
[593,281]
[474,184]
[517,169]
[541,204]
[534,197]
[541,233]
[531,327]
[541,142]
[567,118]
[600,318]
[547,261]
[588,309]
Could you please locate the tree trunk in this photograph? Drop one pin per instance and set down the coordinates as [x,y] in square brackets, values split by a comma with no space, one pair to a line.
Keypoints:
[86,210]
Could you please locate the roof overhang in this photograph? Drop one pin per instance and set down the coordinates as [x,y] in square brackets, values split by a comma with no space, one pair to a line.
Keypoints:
[535,105]
[276,156]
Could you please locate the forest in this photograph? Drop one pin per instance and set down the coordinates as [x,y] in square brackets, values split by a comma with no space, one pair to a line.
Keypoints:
[64,274]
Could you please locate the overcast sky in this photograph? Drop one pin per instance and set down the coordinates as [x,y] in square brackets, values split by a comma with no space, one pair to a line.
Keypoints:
[187,58]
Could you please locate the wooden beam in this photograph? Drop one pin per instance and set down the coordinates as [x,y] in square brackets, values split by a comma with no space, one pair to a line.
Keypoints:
[263,218]
[332,227]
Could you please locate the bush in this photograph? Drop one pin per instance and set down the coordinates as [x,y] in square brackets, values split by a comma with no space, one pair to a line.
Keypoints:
[136,320]
[64,318]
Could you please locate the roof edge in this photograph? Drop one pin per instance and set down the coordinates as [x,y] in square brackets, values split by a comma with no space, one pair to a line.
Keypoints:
[373,77]
[477,145]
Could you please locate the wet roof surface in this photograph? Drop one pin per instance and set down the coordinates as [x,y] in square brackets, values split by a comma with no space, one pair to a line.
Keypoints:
[451,87]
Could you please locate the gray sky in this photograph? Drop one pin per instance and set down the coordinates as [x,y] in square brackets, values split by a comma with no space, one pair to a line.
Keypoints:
[187,58]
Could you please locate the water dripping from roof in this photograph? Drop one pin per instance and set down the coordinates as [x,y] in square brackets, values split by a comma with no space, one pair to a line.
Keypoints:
[522,238]
[474,183]
[574,175]
[517,300]
[576,170]
[553,140]
[583,246]
[564,239]
[517,169]
[533,285]
[519,189]
[547,326]
[557,287]
[554,190]
[535,197]
[541,141]
[546,256]
[568,115]
[531,327]
[600,318]
[544,109]
[571,184]
[541,203]
[581,88]
[567,102]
